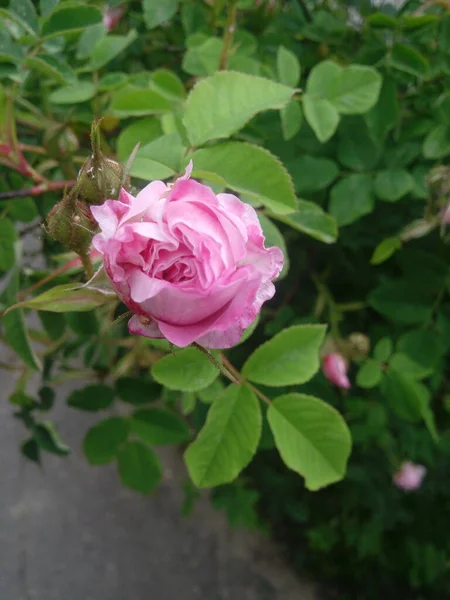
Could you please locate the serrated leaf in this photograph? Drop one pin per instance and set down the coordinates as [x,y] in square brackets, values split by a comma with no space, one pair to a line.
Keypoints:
[291,357]
[142,131]
[91,398]
[159,159]
[187,370]
[408,59]
[228,440]
[103,440]
[240,165]
[355,90]
[220,105]
[291,119]
[139,467]
[437,142]
[369,374]
[402,302]
[312,438]
[51,66]
[383,349]
[159,427]
[312,173]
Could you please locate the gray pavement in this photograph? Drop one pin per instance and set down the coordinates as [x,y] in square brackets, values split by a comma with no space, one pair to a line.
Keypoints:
[72,532]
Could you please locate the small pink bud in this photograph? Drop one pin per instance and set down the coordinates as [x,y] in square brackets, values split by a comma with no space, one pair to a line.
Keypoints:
[409,477]
[334,368]
[112,16]
[445,214]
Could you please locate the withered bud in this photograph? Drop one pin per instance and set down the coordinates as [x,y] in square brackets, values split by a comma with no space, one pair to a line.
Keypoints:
[358,345]
[70,223]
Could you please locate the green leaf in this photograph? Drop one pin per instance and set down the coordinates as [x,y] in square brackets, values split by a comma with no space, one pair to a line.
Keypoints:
[385,249]
[22,209]
[30,449]
[69,18]
[291,357]
[423,348]
[168,84]
[383,349]
[48,439]
[370,374]
[8,237]
[112,81]
[291,119]
[313,173]
[88,40]
[159,159]
[51,66]
[220,105]
[274,238]
[92,398]
[356,149]
[311,220]
[134,102]
[382,20]
[73,94]
[136,390]
[142,131]
[68,297]
[228,440]
[9,51]
[391,185]
[321,116]
[46,6]
[437,142]
[187,370]
[203,59]
[408,59]
[156,13]
[159,427]
[26,12]
[402,302]
[288,67]
[240,165]
[108,48]
[321,78]
[104,439]
[383,116]
[354,90]
[15,332]
[139,467]
[351,198]
[312,438]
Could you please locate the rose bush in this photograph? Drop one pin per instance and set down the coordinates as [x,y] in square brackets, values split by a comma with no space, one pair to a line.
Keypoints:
[191,265]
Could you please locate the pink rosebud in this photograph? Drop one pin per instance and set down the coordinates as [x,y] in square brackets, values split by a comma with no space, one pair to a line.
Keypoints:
[409,477]
[191,265]
[445,214]
[112,16]
[334,368]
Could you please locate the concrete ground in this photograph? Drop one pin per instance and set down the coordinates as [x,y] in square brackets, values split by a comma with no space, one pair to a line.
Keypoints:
[72,532]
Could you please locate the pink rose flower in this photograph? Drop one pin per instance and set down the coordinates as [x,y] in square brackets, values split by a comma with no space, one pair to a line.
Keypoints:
[334,368]
[112,16]
[191,265]
[409,477]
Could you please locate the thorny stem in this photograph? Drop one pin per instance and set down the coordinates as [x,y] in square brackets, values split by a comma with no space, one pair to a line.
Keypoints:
[238,378]
[230,28]
[216,363]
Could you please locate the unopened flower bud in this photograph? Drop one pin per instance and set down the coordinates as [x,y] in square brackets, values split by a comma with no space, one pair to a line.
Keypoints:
[334,368]
[358,345]
[99,179]
[409,477]
[112,16]
[70,223]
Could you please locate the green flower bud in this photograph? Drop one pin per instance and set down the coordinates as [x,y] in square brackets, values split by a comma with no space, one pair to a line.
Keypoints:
[100,179]
[70,223]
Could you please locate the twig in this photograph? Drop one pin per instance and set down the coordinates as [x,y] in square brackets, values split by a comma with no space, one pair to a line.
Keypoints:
[230,28]
[37,190]
[241,379]
[216,363]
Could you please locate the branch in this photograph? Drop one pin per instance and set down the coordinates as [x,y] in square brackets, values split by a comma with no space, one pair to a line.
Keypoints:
[37,190]
[230,28]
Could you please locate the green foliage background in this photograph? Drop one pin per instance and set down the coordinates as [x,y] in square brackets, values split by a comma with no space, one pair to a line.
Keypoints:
[333,121]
